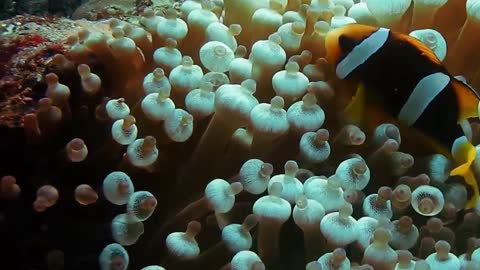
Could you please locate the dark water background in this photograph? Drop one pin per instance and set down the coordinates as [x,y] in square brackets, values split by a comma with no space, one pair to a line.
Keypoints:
[9,8]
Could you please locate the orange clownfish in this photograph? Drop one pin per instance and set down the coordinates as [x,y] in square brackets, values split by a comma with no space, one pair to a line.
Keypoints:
[403,76]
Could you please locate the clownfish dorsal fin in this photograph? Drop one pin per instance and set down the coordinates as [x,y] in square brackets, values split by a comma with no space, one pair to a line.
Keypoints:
[467,100]
[356,108]
[464,153]
[424,49]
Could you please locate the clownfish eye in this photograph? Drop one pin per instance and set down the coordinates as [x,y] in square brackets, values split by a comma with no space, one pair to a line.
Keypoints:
[346,43]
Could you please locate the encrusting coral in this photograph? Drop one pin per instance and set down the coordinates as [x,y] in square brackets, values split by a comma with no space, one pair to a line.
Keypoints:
[214,138]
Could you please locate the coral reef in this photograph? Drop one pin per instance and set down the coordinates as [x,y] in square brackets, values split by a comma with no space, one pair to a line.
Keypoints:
[11,8]
[101,9]
[213,136]
[27,45]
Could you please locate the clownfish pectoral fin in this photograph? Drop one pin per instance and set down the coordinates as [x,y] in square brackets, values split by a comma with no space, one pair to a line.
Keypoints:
[464,153]
[467,100]
[356,108]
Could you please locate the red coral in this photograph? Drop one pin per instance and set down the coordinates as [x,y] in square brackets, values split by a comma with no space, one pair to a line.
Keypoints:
[23,59]
[30,41]
[16,45]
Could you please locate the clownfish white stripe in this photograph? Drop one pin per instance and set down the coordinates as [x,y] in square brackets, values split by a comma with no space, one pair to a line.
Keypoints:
[362,52]
[422,95]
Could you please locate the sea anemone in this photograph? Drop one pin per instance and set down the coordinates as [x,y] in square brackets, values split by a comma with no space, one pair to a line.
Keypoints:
[215,137]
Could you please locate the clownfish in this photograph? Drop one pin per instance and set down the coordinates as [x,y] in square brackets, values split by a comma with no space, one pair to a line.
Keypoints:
[403,77]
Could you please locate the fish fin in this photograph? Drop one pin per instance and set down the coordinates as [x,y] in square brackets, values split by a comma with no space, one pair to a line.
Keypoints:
[356,108]
[363,113]
[467,100]
[424,49]
[464,153]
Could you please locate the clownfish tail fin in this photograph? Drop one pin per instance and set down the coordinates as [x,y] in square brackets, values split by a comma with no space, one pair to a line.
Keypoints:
[464,153]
